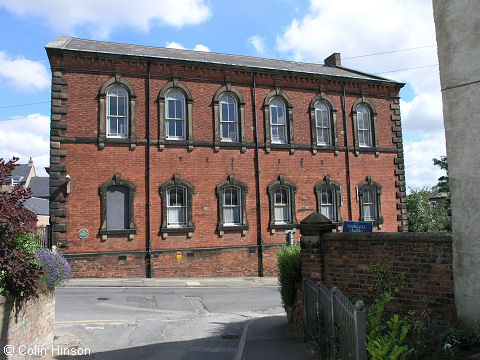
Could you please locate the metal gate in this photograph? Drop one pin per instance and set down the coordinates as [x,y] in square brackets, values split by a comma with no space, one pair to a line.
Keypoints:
[338,326]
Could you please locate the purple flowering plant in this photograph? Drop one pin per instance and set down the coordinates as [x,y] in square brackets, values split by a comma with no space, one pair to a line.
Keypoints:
[56,269]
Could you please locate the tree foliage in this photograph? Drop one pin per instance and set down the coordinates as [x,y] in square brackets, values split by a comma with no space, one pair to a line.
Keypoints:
[422,217]
[19,271]
[443,181]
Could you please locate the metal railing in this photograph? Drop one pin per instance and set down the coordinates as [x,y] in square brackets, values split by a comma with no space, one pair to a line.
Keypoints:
[338,326]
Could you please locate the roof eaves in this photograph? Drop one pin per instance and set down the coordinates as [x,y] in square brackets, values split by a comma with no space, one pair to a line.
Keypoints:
[375,77]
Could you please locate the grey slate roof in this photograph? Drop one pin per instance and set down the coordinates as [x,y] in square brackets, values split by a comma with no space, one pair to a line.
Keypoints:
[22,170]
[37,205]
[40,186]
[101,47]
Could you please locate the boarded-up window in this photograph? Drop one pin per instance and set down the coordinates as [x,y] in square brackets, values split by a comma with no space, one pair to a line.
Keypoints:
[117,208]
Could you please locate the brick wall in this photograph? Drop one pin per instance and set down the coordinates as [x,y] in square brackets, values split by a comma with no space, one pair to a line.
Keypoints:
[343,260]
[193,262]
[29,328]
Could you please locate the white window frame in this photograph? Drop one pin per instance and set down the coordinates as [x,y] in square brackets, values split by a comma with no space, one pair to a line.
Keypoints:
[117,117]
[287,205]
[16,179]
[364,124]
[332,205]
[171,97]
[277,103]
[229,118]
[232,206]
[372,204]
[320,127]
[183,206]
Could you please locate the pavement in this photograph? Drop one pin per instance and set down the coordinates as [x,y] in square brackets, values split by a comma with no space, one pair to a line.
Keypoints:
[262,338]
[174,282]
[267,338]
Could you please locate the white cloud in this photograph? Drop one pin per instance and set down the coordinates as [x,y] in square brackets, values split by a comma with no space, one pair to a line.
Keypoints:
[258,43]
[175,45]
[201,47]
[103,17]
[356,28]
[419,167]
[24,137]
[22,74]
[423,114]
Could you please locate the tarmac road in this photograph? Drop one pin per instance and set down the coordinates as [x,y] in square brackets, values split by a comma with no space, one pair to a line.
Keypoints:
[169,319]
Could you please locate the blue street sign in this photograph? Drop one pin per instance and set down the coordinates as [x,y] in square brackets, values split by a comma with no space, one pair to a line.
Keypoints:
[357,226]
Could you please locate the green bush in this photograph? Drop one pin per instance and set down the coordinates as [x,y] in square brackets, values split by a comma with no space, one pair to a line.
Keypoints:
[385,338]
[461,338]
[26,242]
[385,342]
[288,272]
[389,346]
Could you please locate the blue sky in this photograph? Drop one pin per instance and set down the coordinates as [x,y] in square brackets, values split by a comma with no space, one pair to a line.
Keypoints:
[298,30]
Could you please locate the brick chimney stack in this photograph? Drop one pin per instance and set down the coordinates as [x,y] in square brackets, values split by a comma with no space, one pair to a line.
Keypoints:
[333,60]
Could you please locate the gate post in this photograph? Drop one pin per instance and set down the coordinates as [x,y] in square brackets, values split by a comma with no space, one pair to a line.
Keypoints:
[311,230]
[360,331]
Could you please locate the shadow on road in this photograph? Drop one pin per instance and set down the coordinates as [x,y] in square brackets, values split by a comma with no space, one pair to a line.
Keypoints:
[221,345]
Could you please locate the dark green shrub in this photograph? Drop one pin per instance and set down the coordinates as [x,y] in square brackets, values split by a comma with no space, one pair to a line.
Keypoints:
[289,272]
[461,338]
[385,280]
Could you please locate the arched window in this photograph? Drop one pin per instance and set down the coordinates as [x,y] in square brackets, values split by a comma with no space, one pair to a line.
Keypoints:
[116,104]
[228,118]
[232,212]
[177,197]
[364,122]
[364,125]
[278,122]
[327,203]
[232,205]
[282,204]
[278,117]
[175,110]
[323,121]
[369,196]
[116,204]
[323,124]
[117,207]
[369,203]
[329,199]
[177,206]
[175,116]
[117,112]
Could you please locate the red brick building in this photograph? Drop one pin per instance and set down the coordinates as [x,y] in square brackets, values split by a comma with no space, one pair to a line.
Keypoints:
[169,162]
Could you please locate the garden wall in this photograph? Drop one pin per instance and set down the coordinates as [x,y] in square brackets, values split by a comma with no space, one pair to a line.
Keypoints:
[29,332]
[343,260]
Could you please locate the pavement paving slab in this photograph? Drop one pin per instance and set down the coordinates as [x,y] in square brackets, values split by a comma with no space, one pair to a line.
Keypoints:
[267,338]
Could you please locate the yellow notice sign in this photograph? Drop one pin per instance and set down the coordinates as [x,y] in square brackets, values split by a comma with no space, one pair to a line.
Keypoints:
[179,255]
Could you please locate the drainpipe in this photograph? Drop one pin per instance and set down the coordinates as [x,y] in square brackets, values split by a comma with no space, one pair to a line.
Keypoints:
[257,182]
[148,257]
[347,154]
